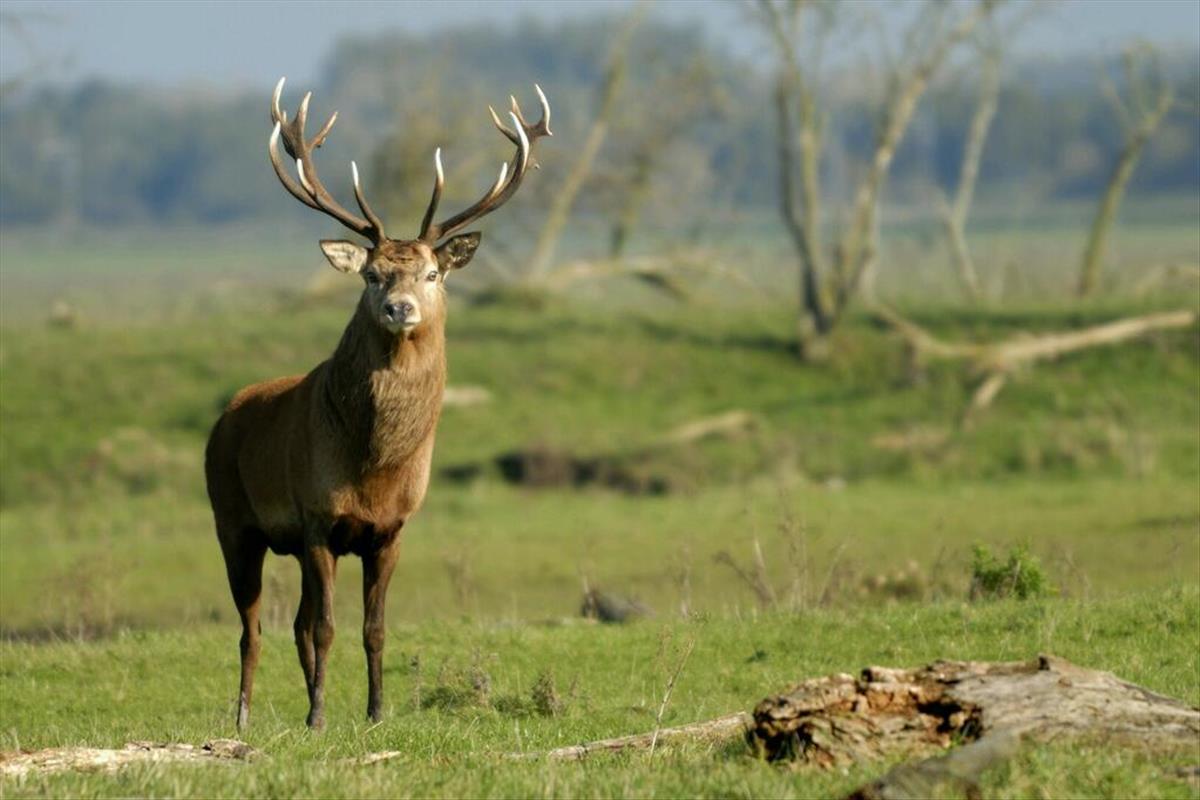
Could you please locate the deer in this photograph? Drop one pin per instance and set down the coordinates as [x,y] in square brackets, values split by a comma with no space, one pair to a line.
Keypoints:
[336,462]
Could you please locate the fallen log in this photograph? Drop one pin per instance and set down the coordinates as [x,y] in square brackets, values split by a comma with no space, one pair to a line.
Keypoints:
[92,759]
[728,727]
[723,728]
[995,362]
[882,712]
[935,777]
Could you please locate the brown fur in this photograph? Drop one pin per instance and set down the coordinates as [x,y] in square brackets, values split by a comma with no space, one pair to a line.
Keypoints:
[335,462]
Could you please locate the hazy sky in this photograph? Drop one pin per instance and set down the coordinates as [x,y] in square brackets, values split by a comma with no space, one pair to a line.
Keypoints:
[250,43]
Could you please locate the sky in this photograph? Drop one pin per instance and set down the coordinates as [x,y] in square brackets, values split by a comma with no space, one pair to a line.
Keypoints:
[225,44]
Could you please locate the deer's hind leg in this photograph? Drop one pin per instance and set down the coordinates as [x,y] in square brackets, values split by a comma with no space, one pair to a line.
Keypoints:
[244,551]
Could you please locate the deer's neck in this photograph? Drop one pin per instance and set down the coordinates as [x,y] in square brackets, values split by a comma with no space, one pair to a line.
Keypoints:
[383,393]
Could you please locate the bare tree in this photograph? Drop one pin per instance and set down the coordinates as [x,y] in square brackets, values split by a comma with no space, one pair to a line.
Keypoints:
[401,162]
[1147,99]
[564,200]
[19,26]
[954,212]
[799,30]
[680,98]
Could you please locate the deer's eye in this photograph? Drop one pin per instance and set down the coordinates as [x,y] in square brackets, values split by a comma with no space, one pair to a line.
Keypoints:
[372,278]
[432,276]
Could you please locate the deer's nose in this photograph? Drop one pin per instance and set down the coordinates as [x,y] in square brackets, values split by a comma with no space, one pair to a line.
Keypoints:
[398,312]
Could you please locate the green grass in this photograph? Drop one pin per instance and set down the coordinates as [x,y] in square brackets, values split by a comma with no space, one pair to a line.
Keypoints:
[863,496]
[153,561]
[177,686]
[1091,462]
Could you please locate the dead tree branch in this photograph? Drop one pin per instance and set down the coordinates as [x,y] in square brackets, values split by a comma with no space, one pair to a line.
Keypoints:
[996,361]
[730,726]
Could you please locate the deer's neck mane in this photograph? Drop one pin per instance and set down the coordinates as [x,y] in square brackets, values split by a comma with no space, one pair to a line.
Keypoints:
[383,393]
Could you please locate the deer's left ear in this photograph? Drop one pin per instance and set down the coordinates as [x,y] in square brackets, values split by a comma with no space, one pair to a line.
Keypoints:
[344,256]
[457,252]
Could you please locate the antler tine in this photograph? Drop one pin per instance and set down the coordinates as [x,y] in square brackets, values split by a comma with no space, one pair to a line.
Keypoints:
[371,216]
[276,114]
[310,190]
[439,181]
[543,126]
[522,134]
[284,178]
[508,132]
[302,114]
[319,139]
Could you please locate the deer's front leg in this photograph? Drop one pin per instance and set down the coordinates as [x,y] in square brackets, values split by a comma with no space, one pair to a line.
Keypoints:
[377,572]
[320,569]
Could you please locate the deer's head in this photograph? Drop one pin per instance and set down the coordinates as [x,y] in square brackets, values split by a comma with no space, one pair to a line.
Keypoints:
[403,278]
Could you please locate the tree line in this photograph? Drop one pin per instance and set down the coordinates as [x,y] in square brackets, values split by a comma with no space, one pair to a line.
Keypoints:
[691,131]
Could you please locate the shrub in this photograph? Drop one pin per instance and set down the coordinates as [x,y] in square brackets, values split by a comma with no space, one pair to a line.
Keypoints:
[1019,576]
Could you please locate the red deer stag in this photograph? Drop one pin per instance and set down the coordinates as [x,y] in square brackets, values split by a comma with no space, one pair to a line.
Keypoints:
[336,461]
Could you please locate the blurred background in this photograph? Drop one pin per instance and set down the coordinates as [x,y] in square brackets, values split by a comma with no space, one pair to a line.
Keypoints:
[809,303]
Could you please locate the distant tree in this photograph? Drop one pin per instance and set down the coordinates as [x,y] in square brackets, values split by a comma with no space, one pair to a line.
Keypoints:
[955,210]
[1141,105]
[653,132]
[801,31]
[19,28]
[564,198]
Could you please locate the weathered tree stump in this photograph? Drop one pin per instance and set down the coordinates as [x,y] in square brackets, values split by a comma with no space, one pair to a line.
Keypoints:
[884,712]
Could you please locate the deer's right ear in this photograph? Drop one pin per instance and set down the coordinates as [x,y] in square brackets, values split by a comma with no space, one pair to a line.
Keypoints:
[344,256]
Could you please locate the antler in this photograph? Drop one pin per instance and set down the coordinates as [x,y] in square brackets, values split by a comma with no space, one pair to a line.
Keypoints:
[522,134]
[310,190]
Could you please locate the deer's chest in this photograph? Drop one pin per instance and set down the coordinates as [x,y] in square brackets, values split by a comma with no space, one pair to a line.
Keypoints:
[383,498]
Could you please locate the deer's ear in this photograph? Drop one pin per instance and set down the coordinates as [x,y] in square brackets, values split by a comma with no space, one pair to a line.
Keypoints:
[457,252]
[344,256]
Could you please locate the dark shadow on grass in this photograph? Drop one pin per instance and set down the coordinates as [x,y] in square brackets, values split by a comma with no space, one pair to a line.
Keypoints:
[761,342]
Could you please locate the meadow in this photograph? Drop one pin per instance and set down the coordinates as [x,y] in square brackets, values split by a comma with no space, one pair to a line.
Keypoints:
[853,479]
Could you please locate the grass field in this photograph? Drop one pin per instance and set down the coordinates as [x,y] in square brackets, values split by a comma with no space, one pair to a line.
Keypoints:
[174,686]
[864,497]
